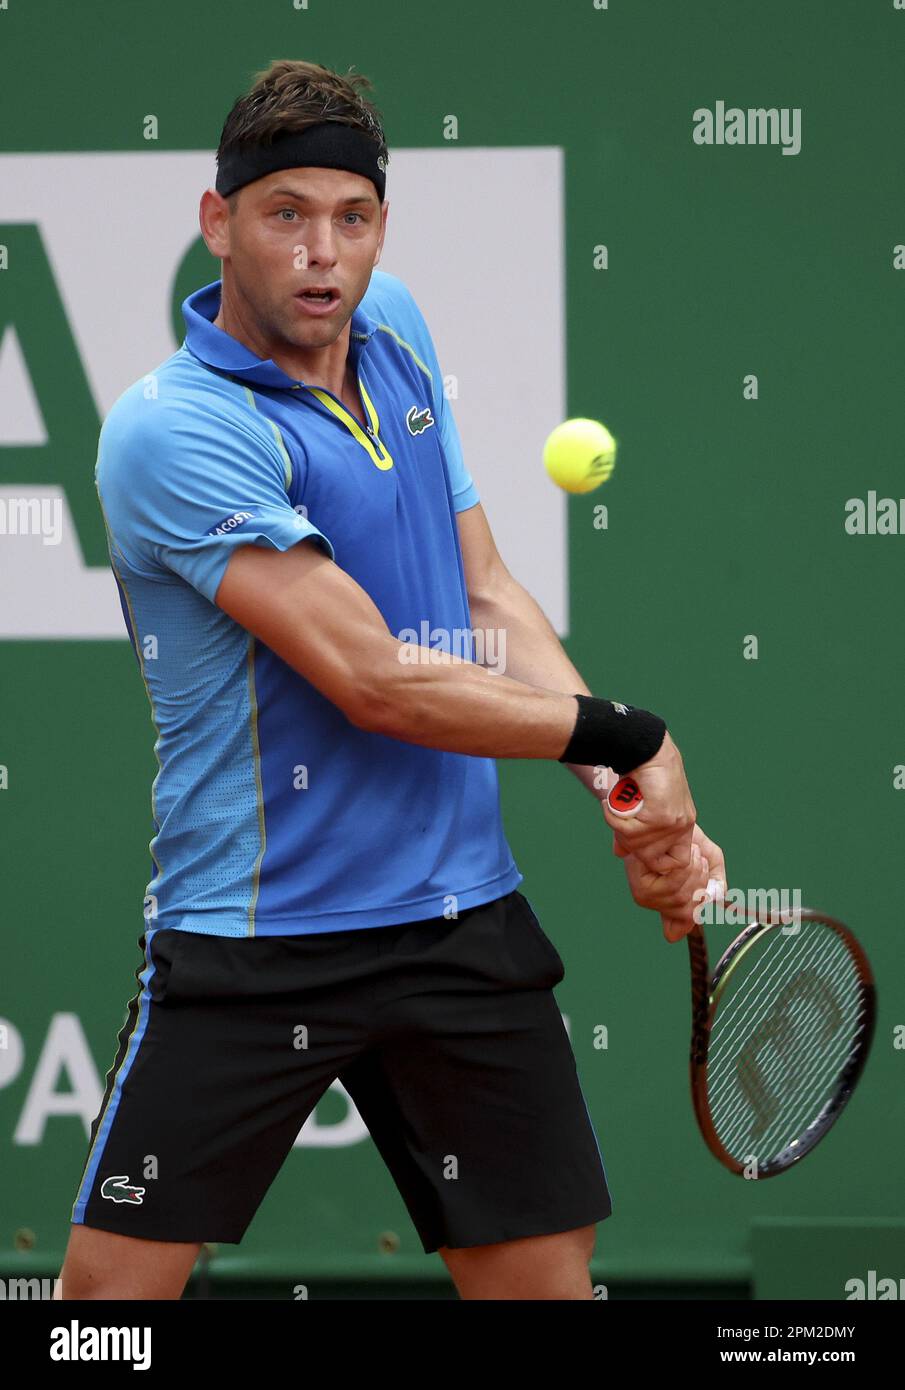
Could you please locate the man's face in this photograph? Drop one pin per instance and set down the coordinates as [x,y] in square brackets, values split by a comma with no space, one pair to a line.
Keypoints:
[301,229]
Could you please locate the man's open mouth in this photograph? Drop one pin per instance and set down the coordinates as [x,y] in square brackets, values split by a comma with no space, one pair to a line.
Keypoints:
[320,296]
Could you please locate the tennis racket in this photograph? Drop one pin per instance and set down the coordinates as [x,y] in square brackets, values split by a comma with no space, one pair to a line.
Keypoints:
[780,1032]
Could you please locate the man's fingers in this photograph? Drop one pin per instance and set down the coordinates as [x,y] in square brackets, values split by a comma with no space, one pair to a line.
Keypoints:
[666,854]
[670,847]
[717,863]
[668,894]
[674,929]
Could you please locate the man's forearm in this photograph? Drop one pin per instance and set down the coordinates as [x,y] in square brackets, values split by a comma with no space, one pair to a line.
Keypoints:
[427,696]
[534,655]
[431,697]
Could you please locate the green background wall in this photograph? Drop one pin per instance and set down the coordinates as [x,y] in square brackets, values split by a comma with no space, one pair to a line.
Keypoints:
[725,519]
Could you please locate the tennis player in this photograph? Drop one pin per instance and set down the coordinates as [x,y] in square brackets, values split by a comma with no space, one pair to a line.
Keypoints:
[332,894]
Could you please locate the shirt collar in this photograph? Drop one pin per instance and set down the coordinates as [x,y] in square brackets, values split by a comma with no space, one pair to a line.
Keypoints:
[225,353]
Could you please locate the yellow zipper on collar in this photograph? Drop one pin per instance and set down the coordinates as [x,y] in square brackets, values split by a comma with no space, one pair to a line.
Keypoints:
[369,439]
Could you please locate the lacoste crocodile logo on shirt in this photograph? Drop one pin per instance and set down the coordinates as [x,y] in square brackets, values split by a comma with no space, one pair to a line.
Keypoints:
[418,420]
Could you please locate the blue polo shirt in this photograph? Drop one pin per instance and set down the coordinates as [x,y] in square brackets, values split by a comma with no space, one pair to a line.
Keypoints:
[272,813]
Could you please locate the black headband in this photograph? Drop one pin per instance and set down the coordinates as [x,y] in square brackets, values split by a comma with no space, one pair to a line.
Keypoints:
[328,145]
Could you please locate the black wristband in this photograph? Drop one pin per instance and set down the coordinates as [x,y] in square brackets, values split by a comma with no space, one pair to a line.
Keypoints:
[610,734]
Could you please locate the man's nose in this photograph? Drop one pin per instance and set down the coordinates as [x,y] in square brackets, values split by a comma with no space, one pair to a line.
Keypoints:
[319,240]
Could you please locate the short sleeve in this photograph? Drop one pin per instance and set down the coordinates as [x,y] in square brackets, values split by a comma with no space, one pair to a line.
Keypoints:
[464,492]
[180,489]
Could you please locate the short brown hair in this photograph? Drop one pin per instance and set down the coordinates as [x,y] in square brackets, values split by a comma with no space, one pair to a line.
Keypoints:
[291,95]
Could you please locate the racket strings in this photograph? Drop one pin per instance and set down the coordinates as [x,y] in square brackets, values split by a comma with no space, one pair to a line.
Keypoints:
[779,1081]
[733,1060]
[803,1101]
[811,1097]
[777,965]
[774,1048]
[751,1001]
[782,1036]
[750,1054]
[761,1123]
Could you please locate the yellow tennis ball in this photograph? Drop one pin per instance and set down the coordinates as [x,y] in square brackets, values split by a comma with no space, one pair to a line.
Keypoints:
[580,454]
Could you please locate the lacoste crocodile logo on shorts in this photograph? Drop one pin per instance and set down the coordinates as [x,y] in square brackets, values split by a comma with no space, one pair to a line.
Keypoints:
[119,1189]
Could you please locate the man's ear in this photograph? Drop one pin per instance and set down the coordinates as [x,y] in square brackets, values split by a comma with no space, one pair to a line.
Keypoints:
[213,218]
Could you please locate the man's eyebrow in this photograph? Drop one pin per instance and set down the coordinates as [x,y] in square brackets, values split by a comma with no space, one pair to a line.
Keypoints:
[306,197]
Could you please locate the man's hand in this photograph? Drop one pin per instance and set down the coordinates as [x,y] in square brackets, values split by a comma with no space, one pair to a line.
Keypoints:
[660,835]
[672,894]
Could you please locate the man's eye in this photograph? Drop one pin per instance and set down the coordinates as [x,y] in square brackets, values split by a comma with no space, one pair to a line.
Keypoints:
[354,214]
[282,210]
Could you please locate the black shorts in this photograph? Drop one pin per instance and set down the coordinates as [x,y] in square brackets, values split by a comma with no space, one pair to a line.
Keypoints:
[445,1033]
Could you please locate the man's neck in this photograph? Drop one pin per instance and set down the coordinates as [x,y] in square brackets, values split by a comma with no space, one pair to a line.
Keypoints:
[329,368]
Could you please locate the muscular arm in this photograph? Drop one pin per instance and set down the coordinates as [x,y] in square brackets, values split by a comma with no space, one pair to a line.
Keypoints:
[534,653]
[327,628]
[535,656]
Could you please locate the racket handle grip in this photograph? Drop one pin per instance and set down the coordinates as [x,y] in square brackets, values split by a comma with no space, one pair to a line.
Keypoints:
[625,799]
